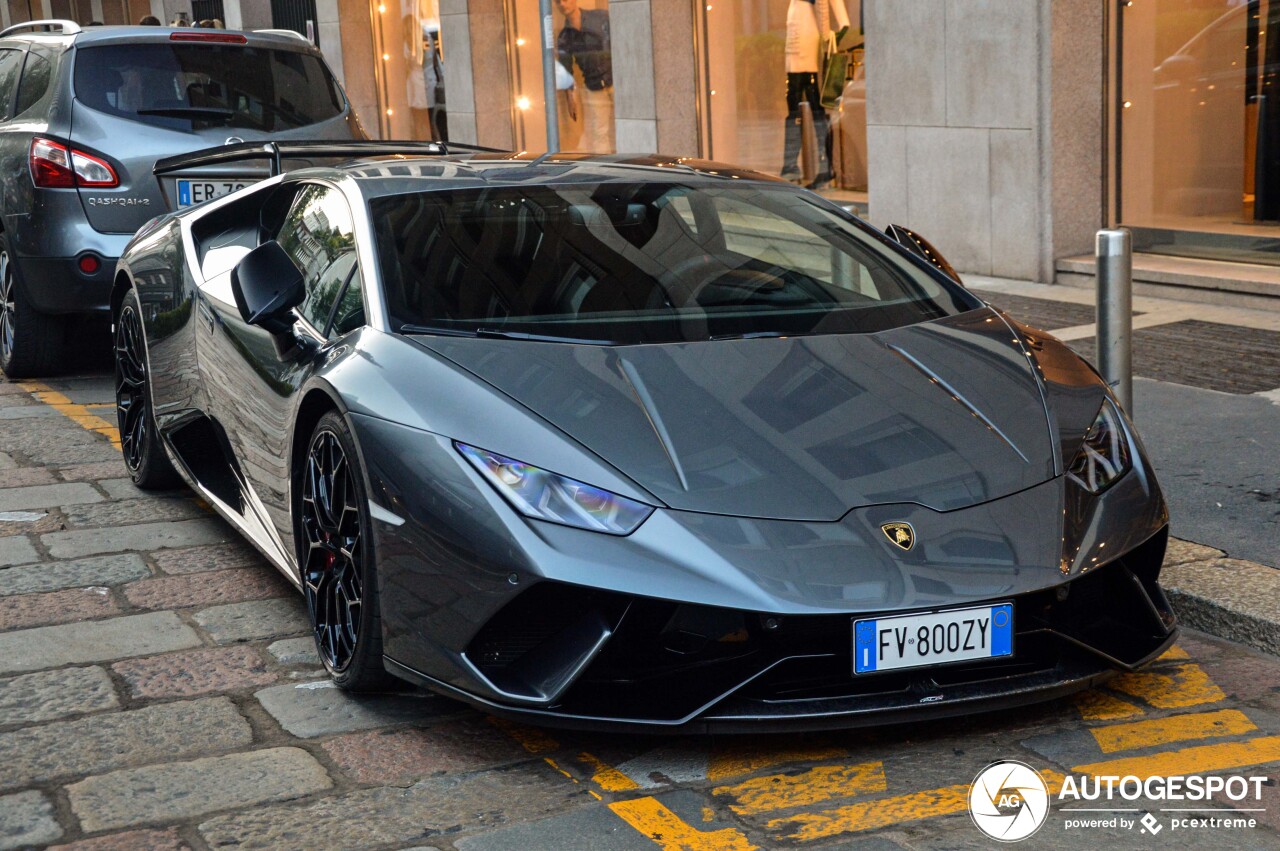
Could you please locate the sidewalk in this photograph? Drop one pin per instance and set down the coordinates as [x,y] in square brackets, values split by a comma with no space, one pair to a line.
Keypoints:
[1207,405]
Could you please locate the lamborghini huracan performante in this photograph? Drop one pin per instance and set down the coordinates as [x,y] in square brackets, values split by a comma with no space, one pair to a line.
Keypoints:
[636,442]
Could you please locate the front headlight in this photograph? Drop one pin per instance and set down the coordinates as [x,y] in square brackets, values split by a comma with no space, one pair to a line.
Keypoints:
[1104,457]
[544,495]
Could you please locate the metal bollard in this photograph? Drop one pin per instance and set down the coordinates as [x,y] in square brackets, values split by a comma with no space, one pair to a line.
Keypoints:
[1114,255]
[808,145]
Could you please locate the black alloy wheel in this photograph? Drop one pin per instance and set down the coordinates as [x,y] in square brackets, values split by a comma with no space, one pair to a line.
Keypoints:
[336,557]
[131,388]
[6,305]
[144,456]
[31,342]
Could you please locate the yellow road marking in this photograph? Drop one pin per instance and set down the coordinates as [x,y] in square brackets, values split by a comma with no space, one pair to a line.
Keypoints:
[1096,705]
[1202,759]
[606,776]
[1185,685]
[870,815]
[784,791]
[735,760]
[79,414]
[1179,728]
[551,762]
[673,833]
[530,738]
[1174,652]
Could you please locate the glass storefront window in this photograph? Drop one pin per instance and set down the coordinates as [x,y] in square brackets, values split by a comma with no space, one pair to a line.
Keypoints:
[761,60]
[584,75]
[1200,127]
[410,78]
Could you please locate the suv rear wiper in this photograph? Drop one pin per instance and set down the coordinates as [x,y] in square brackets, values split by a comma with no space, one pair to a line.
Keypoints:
[189,111]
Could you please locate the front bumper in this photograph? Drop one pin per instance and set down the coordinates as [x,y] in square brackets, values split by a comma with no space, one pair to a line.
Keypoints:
[563,655]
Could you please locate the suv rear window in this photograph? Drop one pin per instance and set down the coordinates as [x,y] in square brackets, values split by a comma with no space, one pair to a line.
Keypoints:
[199,86]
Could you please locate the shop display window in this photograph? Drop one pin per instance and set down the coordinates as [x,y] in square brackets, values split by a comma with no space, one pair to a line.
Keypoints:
[1199,127]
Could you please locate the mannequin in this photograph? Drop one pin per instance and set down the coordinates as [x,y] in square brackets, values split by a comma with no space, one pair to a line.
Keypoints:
[807,23]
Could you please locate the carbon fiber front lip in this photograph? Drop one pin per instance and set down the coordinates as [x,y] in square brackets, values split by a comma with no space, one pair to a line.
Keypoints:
[729,715]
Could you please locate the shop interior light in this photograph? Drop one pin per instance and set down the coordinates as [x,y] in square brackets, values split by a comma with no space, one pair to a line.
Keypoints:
[523,102]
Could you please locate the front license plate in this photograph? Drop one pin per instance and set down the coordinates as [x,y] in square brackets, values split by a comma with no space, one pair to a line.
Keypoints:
[910,641]
[198,191]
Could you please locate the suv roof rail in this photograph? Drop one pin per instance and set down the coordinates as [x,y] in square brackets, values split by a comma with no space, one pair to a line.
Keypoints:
[277,151]
[63,26]
[293,33]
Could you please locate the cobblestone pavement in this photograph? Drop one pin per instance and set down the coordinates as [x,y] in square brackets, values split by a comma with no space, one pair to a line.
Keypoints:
[158,690]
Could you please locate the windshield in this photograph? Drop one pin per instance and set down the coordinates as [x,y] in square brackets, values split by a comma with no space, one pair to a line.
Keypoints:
[622,263]
[198,86]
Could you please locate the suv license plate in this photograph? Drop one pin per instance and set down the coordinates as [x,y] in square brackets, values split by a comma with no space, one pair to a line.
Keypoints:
[192,192]
[933,638]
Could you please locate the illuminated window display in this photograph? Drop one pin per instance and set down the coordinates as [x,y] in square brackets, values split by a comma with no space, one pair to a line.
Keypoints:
[1199,117]
[763,59]
[410,73]
[584,74]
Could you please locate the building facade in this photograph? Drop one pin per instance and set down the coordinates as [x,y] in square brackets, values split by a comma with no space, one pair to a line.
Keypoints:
[1005,131]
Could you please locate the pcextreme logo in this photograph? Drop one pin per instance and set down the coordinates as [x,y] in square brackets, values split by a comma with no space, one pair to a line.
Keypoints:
[1008,800]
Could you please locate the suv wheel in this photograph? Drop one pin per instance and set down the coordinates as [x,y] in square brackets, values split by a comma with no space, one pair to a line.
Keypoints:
[30,342]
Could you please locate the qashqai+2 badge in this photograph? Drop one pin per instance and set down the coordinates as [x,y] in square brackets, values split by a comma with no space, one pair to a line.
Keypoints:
[1008,801]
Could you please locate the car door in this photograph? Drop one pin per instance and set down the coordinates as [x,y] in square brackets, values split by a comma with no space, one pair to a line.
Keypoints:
[253,376]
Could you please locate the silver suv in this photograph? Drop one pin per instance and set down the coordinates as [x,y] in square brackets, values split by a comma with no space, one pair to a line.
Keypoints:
[85,114]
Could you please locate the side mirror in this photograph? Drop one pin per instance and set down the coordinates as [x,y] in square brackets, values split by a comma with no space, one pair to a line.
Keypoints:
[922,248]
[267,285]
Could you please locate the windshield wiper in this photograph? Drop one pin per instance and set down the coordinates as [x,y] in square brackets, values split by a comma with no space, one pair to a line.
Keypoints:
[433,329]
[189,112]
[495,333]
[540,338]
[751,335]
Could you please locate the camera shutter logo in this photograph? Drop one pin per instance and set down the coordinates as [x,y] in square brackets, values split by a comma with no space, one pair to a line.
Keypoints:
[1008,801]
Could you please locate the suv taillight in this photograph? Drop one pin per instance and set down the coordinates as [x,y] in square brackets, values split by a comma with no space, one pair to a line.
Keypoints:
[220,38]
[55,166]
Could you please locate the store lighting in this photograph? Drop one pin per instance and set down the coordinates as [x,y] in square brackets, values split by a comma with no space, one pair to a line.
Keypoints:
[382,9]
[522,102]
[390,112]
[1128,104]
[386,57]
[519,42]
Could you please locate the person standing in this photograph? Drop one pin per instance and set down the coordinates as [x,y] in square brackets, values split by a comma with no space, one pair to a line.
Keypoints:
[584,41]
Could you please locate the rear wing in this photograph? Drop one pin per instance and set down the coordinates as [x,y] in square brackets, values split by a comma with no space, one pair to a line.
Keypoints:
[276,152]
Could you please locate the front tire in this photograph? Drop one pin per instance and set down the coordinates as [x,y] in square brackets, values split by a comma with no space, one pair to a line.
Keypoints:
[144,456]
[336,555]
[30,341]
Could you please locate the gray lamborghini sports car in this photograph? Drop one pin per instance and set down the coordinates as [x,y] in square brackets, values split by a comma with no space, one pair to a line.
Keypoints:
[636,442]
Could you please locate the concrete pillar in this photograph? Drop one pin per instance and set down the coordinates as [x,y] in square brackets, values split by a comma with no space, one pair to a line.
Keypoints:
[477,76]
[675,75]
[984,128]
[635,111]
[358,68]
